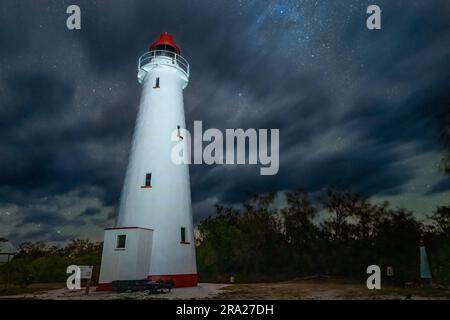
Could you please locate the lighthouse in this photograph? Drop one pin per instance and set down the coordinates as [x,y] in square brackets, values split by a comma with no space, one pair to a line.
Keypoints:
[153,237]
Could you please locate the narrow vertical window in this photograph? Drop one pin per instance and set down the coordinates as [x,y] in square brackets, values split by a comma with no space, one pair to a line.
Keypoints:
[179,133]
[148,180]
[156,84]
[121,241]
[183,234]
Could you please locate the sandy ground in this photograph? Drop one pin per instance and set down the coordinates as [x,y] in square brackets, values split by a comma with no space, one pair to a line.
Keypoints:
[312,289]
[326,289]
[202,291]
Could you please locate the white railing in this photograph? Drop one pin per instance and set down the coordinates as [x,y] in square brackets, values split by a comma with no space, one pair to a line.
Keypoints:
[164,56]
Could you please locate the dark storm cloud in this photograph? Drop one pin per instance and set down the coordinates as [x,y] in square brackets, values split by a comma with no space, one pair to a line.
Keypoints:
[14,31]
[47,218]
[30,99]
[377,174]
[112,215]
[412,55]
[43,234]
[352,105]
[441,186]
[90,211]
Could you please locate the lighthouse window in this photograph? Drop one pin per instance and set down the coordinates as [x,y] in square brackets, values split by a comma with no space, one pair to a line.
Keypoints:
[156,84]
[179,133]
[183,234]
[148,180]
[165,50]
[121,241]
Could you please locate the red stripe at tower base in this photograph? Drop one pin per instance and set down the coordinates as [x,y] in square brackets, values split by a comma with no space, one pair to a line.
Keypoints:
[104,287]
[179,280]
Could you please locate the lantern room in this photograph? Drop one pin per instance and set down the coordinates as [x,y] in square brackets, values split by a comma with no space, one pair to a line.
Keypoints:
[162,51]
[165,43]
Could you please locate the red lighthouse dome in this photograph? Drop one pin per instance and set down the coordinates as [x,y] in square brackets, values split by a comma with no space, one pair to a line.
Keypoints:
[165,42]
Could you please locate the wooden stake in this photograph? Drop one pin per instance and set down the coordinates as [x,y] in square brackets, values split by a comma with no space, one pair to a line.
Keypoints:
[88,285]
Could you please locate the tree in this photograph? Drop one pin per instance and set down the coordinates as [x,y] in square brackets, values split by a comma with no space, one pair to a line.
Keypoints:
[218,245]
[396,242]
[300,231]
[441,220]
[342,204]
[438,241]
[261,242]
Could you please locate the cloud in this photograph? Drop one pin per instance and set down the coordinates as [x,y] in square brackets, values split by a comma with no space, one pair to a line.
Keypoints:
[45,234]
[90,211]
[47,218]
[441,186]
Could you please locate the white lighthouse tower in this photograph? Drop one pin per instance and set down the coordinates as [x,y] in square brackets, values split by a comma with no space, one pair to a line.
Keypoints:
[153,237]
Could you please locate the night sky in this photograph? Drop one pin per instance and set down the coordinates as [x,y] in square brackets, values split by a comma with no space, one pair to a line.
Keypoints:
[354,107]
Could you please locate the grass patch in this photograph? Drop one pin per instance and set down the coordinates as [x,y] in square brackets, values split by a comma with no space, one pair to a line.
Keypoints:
[32,288]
